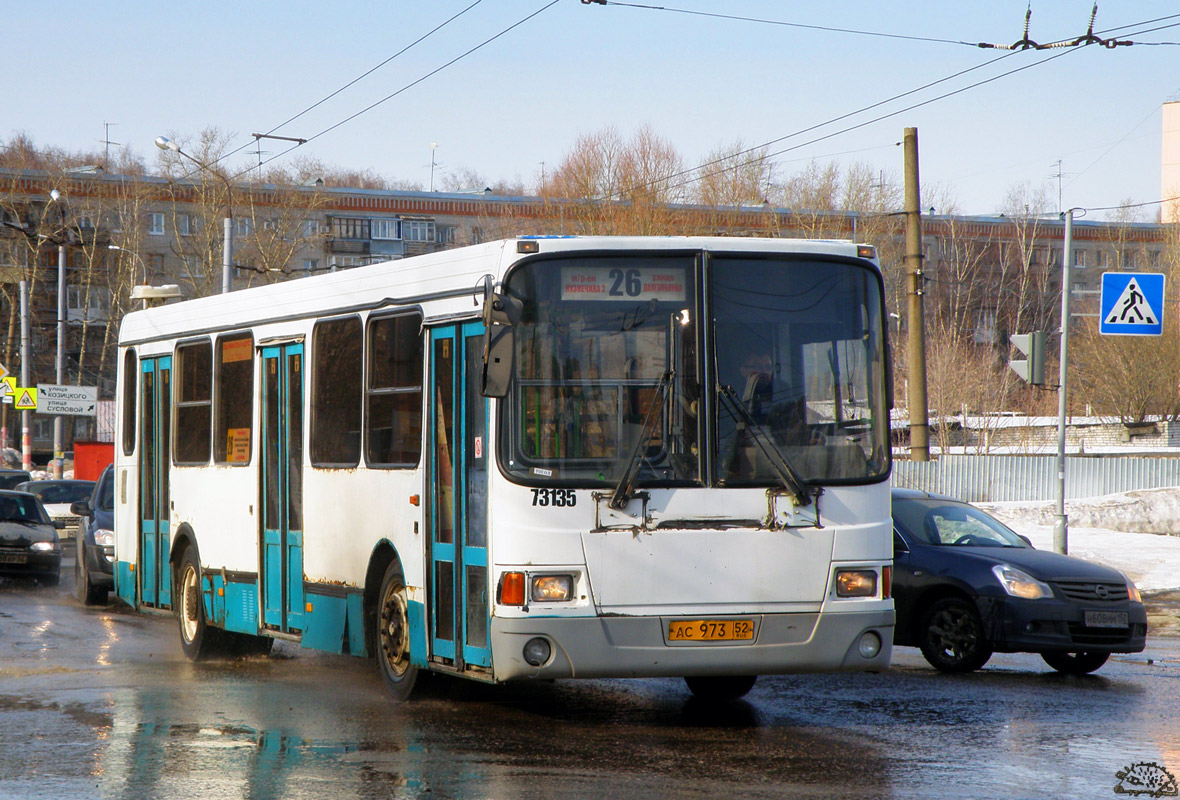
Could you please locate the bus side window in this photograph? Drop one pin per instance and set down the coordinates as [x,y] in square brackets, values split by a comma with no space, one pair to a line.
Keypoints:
[130,373]
[336,393]
[234,399]
[194,399]
[393,398]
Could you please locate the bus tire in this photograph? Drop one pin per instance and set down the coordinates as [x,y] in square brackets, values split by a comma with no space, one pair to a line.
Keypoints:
[720,687]
[393,635]
[197,638]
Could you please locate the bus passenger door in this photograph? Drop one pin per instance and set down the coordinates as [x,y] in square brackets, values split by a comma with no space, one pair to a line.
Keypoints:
[281,576]
[457,488]
[155,432]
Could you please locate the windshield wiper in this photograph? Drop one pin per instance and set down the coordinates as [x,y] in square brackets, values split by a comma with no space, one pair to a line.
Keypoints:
[625,489]
[778,462]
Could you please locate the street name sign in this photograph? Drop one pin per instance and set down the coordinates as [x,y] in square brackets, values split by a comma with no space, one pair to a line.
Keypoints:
[55,399]
[1132,304]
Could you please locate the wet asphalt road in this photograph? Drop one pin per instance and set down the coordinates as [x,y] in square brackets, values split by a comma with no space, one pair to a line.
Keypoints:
[100,702]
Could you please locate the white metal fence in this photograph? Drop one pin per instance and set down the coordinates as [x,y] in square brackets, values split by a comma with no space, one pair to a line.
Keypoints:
[987,478]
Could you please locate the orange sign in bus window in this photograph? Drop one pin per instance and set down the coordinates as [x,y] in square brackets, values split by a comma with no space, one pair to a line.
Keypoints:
[236,350]
[238,445]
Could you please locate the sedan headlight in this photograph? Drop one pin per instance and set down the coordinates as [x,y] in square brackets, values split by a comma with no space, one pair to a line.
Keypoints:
[1019,583]
[104,537]
[43,547]
[1133,592]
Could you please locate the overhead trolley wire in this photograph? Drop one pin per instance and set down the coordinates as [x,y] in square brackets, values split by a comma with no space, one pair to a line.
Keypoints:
[413,83]
[782,23]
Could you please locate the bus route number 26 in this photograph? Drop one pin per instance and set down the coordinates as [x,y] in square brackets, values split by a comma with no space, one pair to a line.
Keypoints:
[562,498]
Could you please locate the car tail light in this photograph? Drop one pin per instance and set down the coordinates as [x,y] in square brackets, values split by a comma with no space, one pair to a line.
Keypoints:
[886,583]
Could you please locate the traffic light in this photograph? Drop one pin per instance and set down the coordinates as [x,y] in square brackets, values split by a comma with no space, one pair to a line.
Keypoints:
[1031,369]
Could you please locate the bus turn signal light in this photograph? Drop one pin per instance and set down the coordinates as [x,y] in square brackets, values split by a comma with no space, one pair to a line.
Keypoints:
[512,589]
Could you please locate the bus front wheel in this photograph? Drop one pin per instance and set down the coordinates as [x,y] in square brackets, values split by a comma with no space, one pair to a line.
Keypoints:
[198,640]
[393,635]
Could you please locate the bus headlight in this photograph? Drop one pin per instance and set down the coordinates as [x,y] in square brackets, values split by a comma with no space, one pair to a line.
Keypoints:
[551,588]
[856,583]
[869,645]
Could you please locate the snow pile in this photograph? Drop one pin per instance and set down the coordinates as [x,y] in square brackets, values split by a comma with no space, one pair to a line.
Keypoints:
[1126,531]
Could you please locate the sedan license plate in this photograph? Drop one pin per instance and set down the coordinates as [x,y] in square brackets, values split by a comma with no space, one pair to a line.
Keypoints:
[710,630]
[1107,619]
[13,558]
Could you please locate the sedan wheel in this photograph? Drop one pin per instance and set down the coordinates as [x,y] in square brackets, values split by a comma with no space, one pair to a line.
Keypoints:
[952,637]
[1075,663]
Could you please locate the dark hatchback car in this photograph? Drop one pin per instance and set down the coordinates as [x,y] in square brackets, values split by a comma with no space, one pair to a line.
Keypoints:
[965,586]
[94,573]
[11,477]
[29,545]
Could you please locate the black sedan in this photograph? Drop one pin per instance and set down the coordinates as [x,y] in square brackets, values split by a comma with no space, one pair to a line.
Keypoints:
[965,586]
[29,546]
[94,566]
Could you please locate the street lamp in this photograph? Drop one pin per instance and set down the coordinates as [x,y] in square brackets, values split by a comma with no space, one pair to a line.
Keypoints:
[136,256]
[227,250]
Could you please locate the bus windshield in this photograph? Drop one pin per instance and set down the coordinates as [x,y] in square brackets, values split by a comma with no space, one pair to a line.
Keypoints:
[611,359]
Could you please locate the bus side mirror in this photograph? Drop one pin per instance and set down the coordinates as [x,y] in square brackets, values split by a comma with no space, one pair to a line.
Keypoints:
[500,313]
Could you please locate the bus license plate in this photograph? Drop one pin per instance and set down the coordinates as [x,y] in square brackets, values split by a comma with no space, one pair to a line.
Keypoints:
[710,630]
[1107,619]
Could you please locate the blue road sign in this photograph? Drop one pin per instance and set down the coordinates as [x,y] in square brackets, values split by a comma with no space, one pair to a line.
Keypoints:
[1132,304]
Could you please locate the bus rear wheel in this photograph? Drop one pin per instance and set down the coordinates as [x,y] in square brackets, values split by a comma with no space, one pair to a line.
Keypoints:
[393,635]
[720,687]
[198,640]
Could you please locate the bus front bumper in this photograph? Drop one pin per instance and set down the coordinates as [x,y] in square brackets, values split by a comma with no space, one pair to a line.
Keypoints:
[637,647]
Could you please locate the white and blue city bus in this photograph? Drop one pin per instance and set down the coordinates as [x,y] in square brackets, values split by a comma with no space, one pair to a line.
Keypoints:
[545,457]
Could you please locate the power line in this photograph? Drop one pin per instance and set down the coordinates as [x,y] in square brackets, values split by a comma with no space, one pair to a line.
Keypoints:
[782,23]
[414,83]
[357,79]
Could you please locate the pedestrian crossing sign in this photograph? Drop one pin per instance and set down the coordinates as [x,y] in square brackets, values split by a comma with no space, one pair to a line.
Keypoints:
[1132,304]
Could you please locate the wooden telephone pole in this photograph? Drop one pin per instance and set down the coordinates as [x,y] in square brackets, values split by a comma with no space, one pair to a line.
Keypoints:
[916,395]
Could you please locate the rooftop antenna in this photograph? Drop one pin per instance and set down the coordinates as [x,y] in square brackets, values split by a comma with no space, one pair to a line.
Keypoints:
[106,159]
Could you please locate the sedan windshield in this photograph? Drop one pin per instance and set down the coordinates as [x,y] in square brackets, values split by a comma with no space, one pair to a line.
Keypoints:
[21,508]
[948,523]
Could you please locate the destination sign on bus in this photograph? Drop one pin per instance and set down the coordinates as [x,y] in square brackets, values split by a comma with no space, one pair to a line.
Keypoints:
[618,283]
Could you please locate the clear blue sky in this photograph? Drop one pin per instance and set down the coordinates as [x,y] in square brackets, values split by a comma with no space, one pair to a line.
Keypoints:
[699,81]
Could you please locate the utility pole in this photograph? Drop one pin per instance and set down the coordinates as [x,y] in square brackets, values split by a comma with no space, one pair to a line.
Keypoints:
[1061,519]
[26,416]
[916,396]
[58,454]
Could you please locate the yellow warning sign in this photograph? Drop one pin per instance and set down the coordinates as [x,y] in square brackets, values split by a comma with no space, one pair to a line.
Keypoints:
[25,398]
[7,385]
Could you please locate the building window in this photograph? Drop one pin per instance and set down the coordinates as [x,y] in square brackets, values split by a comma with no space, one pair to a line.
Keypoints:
[193,270]
[336,393]
[87,304]
[310,264]
[350,228]
[85,223]
[346,261]
[1128,259]
[186,225]
[235,399]
[393,400]
[1079,259]
[156,223]
[1101,259]
[194,377]
[309,228]
[418,230]
[155,265]
[243,227]
[386,229]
